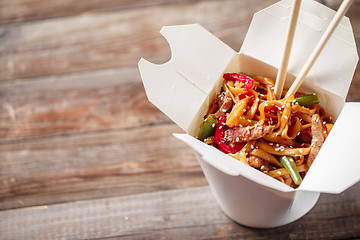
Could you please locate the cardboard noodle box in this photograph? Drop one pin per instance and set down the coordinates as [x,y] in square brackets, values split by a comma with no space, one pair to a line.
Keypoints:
[184,87]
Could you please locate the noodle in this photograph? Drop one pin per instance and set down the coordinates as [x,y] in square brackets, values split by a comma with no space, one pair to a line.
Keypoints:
[258,129]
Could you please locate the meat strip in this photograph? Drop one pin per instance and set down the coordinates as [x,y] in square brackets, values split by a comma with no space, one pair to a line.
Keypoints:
[258,163]
[245,134]
[317,138]
[225,102]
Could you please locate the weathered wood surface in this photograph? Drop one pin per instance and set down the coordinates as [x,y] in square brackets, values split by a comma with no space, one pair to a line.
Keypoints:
[176,214]
[81,102]
[84,155]
[108,163]
[115,38]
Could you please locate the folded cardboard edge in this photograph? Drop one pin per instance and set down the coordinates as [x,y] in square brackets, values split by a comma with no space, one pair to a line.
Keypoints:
[230,165]
[335,169]
[337,165]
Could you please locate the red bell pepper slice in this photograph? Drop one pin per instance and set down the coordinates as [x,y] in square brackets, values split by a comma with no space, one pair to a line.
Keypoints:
[248,81]
[219,138]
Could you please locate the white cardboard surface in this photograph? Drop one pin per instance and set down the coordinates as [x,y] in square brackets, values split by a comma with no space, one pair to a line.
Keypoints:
[337,166]
[183,87]
[197,55]
[170,92]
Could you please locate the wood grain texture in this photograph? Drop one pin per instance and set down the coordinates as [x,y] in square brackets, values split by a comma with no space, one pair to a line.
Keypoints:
[113,39]
[185,214]
[108,163]
[58,105]
[30,10]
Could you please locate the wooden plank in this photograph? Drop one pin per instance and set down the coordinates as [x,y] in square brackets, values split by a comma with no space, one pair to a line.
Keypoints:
[58,105]
[176,214]
[354,90]
[114,39]
[108,163]
[29,10]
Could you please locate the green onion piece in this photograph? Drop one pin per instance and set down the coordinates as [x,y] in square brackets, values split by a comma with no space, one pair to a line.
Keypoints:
[208,127]
[306,100]
[290,166]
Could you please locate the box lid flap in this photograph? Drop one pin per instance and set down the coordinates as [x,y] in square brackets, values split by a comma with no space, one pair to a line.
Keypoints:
[181,86]
[337,165]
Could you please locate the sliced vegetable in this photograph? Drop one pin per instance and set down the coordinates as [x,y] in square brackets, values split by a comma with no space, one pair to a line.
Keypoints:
[219,137]
[306,100]
[290,165]
[208,127]
[248,81]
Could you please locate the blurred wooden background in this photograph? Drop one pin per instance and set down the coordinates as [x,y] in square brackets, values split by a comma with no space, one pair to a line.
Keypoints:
[84,155]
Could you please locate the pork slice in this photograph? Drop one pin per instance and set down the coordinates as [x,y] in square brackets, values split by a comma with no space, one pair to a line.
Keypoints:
[317,138]
[245,134]
[225,102]
[258,163]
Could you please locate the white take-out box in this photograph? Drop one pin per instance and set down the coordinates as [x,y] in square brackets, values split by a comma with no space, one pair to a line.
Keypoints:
[184,87]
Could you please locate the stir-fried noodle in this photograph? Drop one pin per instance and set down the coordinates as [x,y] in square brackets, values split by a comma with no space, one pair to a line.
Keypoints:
[278,137]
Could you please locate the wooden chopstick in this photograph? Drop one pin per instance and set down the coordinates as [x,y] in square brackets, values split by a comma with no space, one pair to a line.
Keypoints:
[280,78]
[319,47]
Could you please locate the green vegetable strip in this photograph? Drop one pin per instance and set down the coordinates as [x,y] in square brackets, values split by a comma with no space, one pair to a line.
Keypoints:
[208,127]
[290,166]
[306,100]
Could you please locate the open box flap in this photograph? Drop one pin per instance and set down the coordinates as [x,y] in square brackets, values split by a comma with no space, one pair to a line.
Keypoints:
[170,92]
[265,41]
[337,166]
[181,87]
[197,55]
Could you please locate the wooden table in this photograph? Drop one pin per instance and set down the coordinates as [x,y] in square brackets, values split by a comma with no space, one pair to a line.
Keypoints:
[84,155]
